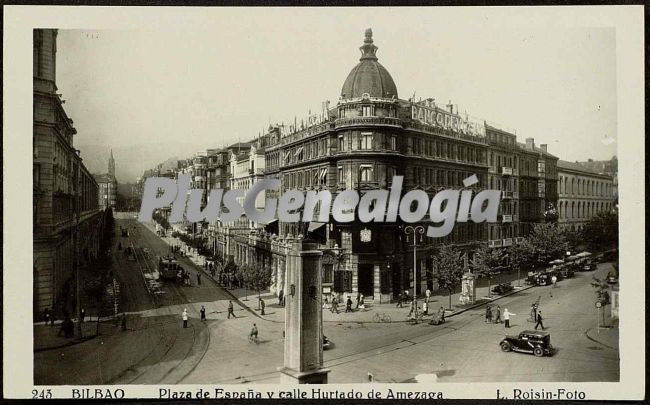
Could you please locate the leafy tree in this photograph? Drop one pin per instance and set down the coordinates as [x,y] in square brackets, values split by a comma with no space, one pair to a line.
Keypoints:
[449,265]
[259,278]
[521,256]
[548,242]
[601,231]
[485,261]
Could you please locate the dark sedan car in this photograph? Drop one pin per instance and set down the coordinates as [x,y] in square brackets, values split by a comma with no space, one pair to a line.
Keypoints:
[528,341]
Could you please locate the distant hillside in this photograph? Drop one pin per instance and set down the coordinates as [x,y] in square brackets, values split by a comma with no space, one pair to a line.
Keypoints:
[131,161]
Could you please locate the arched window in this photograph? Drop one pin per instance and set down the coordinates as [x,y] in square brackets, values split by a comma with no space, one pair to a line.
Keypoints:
[573,206]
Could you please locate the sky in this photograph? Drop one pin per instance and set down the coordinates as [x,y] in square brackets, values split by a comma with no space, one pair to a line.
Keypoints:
[168,90]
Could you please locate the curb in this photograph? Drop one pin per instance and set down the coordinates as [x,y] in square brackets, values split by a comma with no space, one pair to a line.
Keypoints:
[586,333]
[460,311]
[71,343]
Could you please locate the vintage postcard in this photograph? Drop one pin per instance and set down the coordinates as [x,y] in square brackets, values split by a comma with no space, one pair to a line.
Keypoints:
[391,203]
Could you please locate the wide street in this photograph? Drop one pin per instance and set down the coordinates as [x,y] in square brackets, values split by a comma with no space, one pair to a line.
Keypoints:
[157,350]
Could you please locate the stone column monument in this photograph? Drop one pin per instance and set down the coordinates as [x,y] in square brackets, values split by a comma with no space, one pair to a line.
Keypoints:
[303,343]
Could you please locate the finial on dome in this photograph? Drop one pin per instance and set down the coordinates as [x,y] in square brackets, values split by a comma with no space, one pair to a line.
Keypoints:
[368,50]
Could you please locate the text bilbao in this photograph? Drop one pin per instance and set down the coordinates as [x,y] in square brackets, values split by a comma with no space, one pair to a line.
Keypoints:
[446,206]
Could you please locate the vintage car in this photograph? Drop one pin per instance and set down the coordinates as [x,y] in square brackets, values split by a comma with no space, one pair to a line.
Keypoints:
[528,341]
[588,265]
[502,288]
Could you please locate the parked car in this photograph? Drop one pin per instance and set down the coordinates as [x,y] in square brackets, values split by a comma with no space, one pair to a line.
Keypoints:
[589,265]
[502,288]
[528,341]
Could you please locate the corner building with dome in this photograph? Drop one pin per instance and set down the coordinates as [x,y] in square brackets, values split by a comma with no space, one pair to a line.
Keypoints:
[368,137]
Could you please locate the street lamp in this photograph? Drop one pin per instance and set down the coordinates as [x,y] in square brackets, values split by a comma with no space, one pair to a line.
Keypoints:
[414,230]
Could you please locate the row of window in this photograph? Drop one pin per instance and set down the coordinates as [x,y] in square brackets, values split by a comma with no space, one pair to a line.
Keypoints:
[582,209]
[446,150]
[438,177]
[569,185]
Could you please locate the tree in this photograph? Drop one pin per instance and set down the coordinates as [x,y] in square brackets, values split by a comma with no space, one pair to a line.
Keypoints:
[259,278]
[602,293]
[601,231]
[547,242]
[485,261]
[521,256]
[449,265]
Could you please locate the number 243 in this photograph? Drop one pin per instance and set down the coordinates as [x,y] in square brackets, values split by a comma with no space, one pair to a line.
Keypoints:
[42,394]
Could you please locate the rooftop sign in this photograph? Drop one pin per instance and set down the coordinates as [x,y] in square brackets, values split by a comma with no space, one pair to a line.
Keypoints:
[428,113]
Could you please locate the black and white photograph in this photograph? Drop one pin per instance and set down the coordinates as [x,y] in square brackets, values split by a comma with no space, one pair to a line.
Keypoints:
[345,196]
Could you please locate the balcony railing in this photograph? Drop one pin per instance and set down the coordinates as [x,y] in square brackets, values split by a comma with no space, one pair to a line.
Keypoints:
[495,243]
[506,171]
[346,122]
[506,218]
[519,239]
[506,194]
[507,242]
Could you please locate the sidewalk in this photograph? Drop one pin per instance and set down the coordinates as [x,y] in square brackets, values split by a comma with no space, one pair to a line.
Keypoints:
[47,337]
[273,312]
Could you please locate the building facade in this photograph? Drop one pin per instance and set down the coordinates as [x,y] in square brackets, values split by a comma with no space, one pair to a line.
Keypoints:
[370,136]
[65,201]
[582,194]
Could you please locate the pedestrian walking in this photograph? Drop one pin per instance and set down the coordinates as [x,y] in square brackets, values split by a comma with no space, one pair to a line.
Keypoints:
[358,299]
[427,293]
[539,320]
[362,304]
[533,312]
[198,278]
[412,308]
[262,306]
[442,314]
[335,305]
[83,314]
[231,310]
[348,305]
[554,281]
[425,307]
[280,296]
[46,316]
[202,312]
[399,301]
[506,317]
[185,317]
[498,315]
[488,314]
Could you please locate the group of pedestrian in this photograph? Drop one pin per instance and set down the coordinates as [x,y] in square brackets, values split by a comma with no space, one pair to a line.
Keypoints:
[496,314]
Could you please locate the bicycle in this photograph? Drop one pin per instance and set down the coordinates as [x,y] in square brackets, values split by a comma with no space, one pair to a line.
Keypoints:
[383,317]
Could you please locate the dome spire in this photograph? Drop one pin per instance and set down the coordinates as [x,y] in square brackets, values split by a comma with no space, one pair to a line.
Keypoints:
[368,49]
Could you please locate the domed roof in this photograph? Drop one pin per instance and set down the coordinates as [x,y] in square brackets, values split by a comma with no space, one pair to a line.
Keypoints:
[369,76]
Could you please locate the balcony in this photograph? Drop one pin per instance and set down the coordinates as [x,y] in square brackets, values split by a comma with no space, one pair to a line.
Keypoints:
[506,218]
[506,171]
[520,239]
[354,121]
[506,195]
[507,242]
[495,243]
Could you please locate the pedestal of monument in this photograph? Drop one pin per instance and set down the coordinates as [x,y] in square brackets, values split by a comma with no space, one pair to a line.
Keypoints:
[303,342]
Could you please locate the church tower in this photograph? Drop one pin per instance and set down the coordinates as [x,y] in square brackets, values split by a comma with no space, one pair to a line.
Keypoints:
[111,165]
